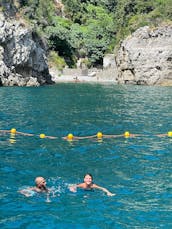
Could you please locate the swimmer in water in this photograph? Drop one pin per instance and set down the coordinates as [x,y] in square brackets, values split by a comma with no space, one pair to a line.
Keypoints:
[89,185]
[40,186]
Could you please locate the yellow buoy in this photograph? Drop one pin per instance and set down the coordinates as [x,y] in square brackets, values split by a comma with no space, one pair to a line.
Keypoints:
[70,136]
[42,135]
[169,134]
[13,131]
[99,135]
[127,134]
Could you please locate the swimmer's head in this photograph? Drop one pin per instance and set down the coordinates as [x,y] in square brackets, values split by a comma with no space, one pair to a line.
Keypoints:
[88,179]
[40,182]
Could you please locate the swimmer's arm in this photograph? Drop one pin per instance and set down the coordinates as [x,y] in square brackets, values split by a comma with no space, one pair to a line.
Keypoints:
[26,192]
[73,188]
[104,190]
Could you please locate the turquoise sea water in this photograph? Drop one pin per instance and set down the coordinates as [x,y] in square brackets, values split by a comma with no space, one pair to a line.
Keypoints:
[137,169]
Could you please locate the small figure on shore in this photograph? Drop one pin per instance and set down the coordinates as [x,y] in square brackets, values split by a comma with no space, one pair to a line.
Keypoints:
[89,185]
[40,186]
[76,79]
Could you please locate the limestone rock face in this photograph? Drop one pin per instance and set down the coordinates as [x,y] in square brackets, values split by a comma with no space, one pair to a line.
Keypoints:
[22,55]
[145,58]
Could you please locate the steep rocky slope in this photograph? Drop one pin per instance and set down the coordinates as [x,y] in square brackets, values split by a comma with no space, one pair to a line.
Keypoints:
[146,57]
[22,55]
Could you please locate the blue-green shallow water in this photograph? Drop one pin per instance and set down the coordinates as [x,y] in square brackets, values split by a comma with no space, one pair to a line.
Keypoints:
[138,169]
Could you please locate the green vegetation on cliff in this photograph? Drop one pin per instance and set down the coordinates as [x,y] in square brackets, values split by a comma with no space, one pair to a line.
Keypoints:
[90,28]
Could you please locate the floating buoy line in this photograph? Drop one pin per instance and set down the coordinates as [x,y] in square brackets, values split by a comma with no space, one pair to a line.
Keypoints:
[70,137]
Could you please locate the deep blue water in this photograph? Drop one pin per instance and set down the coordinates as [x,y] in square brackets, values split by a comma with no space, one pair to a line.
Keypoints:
[137,169]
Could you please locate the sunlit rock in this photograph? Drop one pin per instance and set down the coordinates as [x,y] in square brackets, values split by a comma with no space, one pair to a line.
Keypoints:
[22,55]
[146,57]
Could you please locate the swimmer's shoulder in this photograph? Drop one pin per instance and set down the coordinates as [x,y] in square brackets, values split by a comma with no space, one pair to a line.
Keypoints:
[95,186]
[35,189]
[81,185]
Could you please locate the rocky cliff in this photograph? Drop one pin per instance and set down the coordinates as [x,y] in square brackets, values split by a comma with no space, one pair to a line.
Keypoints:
[145,58]
[22,55]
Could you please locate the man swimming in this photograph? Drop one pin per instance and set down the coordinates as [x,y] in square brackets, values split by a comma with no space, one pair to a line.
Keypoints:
[40,186]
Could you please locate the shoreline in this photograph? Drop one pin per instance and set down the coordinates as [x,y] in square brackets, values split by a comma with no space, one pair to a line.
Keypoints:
[77,78]
[80,79]
[93,80]
[96,78]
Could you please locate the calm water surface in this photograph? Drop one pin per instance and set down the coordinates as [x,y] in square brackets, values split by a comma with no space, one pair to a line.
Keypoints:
[137,169]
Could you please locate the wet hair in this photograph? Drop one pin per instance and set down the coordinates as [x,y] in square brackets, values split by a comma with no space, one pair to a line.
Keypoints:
[89,174]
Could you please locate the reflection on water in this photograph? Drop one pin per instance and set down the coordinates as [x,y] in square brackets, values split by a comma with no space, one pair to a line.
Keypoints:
[137,169]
